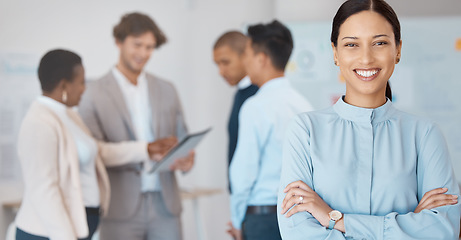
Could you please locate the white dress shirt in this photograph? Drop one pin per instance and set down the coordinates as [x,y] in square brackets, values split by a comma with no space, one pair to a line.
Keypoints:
[87,149]
[257,161]
[137,101]
[244,83]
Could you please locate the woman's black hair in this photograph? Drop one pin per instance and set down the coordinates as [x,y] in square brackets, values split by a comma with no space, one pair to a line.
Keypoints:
[352,7]
[55,66]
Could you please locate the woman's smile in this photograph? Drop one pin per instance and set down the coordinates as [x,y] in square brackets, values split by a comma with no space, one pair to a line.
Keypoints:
[367,74]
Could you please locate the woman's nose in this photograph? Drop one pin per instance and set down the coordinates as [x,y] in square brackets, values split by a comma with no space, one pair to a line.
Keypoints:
[366,56]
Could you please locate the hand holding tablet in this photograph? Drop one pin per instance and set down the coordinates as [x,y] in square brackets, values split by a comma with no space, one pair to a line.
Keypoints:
[181,150]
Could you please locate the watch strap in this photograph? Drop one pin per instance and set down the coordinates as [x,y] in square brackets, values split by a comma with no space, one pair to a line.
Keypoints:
[331,224]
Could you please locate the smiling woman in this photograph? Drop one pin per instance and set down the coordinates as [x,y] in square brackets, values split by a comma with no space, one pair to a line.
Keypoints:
[362,169]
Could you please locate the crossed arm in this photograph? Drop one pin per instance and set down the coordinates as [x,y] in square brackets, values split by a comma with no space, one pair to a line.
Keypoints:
[300,197]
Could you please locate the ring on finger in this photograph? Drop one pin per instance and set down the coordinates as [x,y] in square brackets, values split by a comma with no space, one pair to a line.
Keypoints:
[301,198]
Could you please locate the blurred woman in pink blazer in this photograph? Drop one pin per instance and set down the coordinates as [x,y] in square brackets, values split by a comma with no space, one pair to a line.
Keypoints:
[63,166]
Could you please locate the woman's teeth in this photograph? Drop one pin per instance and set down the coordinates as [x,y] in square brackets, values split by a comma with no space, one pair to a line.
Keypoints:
[367,73]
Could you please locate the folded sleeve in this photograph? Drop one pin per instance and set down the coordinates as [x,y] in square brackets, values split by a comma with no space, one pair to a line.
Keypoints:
[121,153]
[434,170]
[297,165]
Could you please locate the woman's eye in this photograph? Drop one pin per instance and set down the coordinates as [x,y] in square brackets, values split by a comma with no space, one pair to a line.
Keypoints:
[351,45]
[381,43]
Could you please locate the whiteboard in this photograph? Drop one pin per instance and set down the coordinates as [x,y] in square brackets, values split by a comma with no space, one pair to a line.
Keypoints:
[19,86]
[426,82]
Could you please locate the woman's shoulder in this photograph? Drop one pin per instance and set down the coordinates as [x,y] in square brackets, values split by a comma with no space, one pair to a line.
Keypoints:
[413,119]
[418,126]
[39,115]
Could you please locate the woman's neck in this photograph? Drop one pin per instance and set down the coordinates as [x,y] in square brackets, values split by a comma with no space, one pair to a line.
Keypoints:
[365,101]
[55,95]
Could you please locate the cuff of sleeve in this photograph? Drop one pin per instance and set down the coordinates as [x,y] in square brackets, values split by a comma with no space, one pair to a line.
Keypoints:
[363,226]
[236,225]
[144,153]
[237,218]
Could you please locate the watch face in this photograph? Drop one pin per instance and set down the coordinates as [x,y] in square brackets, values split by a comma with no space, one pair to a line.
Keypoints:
[335,215]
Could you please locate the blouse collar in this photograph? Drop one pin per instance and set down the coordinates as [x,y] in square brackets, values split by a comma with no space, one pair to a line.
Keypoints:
[359,114]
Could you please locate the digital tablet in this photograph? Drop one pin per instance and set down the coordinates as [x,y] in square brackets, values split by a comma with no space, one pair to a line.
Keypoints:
[182,149]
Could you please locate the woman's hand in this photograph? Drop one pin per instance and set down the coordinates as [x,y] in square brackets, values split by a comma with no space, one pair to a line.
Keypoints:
[436,198]
[303,198]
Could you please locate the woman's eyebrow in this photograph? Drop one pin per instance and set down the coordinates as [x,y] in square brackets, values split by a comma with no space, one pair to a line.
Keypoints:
[375,36]
[355,38]
[380,35]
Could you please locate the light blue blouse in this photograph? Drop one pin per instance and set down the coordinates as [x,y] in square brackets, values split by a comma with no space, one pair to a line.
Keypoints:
[373,165]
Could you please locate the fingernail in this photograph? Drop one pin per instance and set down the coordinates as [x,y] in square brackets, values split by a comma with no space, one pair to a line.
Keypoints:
[455,196]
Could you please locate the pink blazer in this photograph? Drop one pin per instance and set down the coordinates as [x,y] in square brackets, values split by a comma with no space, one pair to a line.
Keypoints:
[52,204]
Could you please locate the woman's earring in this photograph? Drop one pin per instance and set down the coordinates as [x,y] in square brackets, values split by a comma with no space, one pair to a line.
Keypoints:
[336,63]
[64,96]
[398,60]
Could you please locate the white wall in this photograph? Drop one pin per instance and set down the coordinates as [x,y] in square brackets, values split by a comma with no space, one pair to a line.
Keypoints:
[192,26]
[313,10]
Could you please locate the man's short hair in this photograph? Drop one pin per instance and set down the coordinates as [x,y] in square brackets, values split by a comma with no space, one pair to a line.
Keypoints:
[135,24]
[234,39]
[57,65]
[273,39]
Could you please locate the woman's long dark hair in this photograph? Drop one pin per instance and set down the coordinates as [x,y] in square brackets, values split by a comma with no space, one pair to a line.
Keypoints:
[388,91]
